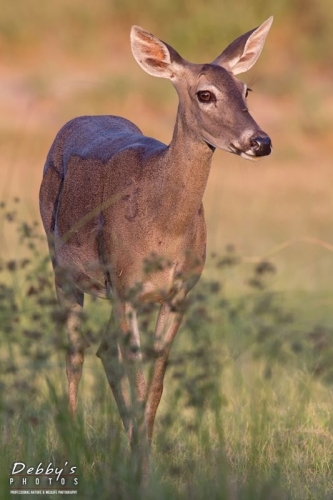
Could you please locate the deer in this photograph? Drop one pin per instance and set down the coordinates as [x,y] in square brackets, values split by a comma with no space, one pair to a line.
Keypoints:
[112,197]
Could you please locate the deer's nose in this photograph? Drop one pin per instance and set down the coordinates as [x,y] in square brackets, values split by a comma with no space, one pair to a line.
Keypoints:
[261,145]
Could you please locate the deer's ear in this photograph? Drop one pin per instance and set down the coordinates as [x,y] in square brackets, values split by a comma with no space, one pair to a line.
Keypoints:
[243,53]
[154,56]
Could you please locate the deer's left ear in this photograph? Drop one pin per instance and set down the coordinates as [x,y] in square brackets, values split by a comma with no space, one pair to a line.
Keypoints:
[243,53]
[156,57]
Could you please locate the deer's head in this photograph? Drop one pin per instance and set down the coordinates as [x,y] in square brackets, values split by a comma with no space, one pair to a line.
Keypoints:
[212,101]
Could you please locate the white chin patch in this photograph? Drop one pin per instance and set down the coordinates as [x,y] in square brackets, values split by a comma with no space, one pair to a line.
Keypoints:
[248,155]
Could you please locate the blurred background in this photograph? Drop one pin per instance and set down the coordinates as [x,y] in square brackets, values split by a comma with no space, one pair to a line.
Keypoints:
[63,59]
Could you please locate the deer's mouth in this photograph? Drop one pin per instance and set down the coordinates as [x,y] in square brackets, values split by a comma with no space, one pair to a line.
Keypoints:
[248,155]
[259,147]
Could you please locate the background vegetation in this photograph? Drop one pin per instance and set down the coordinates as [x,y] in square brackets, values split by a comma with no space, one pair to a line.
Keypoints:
[247,411]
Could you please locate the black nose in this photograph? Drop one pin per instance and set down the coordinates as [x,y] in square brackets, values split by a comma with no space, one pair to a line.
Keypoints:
[261,146]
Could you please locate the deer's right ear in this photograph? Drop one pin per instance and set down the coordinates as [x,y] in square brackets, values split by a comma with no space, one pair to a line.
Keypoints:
[154,56]
[242,54]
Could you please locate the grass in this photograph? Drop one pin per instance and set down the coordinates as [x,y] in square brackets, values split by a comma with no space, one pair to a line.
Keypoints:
[247,408]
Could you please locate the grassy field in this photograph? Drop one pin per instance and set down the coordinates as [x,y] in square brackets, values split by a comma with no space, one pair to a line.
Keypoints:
[247,408]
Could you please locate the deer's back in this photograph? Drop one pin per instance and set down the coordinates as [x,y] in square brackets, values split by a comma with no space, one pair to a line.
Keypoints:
[94,157]
[91,137]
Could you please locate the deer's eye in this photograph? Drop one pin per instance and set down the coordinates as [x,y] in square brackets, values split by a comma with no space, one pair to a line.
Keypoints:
[205,96]
[247,92]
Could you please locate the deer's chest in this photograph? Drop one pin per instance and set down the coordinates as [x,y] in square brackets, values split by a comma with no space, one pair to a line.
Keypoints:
[158,269]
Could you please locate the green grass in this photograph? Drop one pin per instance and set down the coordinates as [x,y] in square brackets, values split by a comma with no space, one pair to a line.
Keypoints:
[247,407]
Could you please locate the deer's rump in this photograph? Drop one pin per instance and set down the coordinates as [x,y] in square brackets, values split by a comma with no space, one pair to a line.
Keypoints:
[92,167]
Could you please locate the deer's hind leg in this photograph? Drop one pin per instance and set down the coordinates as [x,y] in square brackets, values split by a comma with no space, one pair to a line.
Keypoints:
[71,303]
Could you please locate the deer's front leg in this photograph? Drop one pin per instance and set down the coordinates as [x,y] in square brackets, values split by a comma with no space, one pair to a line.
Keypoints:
[130,348]
[110,355]
[167,326]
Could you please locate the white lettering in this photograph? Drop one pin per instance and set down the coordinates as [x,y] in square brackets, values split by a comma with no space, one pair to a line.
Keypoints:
[49,469]
[58,472]
[39,469]
[14,471]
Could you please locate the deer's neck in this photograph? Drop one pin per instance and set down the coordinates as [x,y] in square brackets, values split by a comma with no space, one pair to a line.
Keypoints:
[186,170]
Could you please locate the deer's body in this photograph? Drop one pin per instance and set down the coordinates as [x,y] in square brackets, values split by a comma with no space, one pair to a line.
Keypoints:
[112,198]
[109,158]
